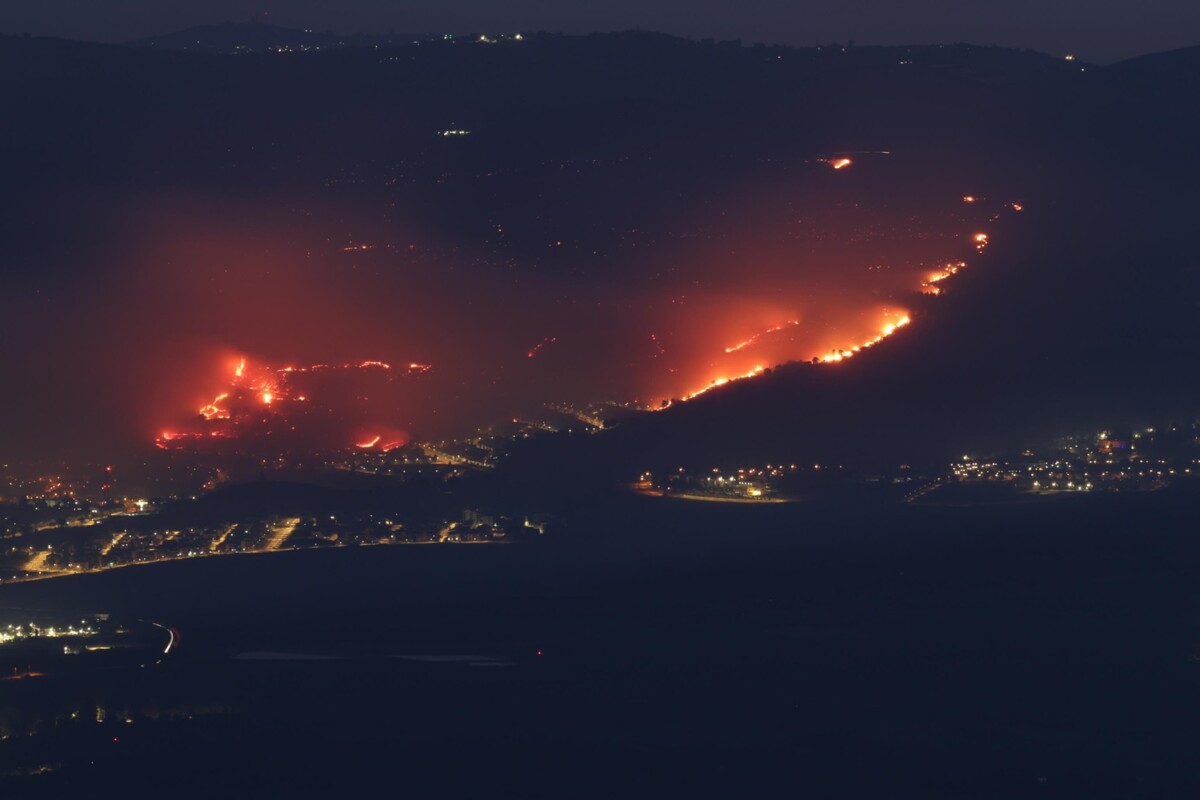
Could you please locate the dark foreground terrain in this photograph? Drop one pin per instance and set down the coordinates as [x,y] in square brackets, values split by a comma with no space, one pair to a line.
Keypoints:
[847,649]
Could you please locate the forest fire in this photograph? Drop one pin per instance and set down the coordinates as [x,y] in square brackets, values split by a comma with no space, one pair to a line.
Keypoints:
[305,407]
[796,271]
[742,345]
[833,356]
[887,330]
[929,285]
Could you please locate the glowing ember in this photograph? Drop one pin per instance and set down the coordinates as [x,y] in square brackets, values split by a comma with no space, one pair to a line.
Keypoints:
[659,350]
[537,348]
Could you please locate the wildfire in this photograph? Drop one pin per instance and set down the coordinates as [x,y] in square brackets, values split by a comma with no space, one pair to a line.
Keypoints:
[929,287]
[834,356]
[262,398]
[758,370]
[169,440]
[742,345]
[368,444]
[840,163]
[886,331]
[213,410]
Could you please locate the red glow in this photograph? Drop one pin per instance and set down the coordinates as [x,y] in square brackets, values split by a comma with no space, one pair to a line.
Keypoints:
[369,443]
[742,345]
[213,410]
[300,406]
[758,370]
[714,299]
[893,322]
[928,285]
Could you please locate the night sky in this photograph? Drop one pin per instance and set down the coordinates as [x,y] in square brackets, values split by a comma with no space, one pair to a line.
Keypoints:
[1096,30]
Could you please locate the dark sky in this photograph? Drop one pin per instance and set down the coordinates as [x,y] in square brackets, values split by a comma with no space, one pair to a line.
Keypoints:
[1096,30]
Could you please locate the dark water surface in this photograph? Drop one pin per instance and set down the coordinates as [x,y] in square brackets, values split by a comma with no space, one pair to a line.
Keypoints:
[855,650]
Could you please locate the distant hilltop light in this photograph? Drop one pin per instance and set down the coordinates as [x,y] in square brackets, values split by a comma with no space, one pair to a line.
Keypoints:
[1069,57]
[452,132]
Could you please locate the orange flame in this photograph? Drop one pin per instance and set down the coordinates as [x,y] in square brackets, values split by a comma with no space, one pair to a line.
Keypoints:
[742,345]
[213,410]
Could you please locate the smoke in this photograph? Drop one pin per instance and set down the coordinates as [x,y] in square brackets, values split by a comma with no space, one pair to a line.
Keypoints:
[135,329]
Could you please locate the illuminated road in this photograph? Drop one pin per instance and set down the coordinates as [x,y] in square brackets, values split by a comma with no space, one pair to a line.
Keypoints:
[221,537]
[38,563]
[281,533]
[108,548]
[172,639]
[582,416]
